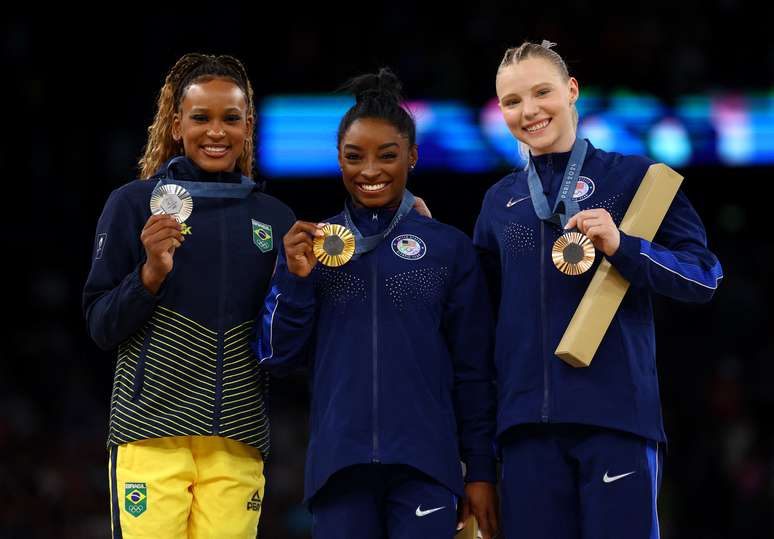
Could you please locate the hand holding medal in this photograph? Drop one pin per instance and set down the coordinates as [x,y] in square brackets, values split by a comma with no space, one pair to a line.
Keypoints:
[299,247]
[170,206]
[160,236]
[573,253]
[598,226]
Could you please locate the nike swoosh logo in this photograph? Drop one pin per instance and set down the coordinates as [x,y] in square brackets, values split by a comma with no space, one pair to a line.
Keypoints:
[512,202]
[610,479]
[421,513]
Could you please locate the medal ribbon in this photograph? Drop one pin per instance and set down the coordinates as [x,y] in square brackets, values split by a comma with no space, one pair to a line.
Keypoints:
[211,189]
[364,244]
[564,201]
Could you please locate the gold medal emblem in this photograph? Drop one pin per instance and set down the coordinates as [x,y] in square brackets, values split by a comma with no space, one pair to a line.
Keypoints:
[336,247]
[573,253]
[172,200]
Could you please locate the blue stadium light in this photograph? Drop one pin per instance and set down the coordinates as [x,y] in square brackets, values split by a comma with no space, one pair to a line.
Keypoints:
[297,134]
[610,132]
[449,138]
[670,143]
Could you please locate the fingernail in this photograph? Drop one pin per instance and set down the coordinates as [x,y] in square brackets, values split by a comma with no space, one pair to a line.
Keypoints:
[460,525]
[319,233]
[320,225]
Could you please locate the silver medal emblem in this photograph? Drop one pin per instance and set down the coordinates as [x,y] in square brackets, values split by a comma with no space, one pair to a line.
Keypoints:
[171,199]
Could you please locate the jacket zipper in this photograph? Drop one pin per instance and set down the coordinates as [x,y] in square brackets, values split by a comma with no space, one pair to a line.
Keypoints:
[543,328]
[221,314]
[544,412]
[375,355]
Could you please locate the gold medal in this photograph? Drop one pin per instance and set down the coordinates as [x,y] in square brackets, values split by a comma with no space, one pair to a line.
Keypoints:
[172,200]
[573,253]
[336,247]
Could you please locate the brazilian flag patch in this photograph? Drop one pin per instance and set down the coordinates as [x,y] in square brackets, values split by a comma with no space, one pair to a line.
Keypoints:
[262,236]
[135,498]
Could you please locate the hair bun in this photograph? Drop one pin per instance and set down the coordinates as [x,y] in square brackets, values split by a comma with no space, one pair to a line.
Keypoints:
[383,85]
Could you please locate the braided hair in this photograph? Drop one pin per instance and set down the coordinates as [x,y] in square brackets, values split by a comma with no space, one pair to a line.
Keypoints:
[378,96]
[192,68]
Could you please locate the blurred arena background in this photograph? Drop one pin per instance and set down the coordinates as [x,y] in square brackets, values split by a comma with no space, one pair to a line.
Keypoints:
[690,83]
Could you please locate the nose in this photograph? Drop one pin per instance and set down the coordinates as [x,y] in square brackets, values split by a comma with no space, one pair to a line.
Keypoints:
[530,108]
[215,130]
[371,171]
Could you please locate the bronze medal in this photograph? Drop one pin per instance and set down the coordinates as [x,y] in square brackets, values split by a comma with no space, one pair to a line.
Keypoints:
[573,253]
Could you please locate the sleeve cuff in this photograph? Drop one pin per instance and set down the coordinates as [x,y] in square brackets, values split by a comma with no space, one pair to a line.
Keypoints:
[480,468]
[142,293]
[627,255]
[296,290]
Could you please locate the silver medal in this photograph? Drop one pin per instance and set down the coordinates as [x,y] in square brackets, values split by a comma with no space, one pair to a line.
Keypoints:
[171,199]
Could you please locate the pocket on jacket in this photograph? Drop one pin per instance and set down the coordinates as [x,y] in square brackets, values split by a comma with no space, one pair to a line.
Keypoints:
[139,373]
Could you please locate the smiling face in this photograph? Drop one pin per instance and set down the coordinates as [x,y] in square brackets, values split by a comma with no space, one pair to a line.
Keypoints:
[537,105]
[213,123]
[375,159]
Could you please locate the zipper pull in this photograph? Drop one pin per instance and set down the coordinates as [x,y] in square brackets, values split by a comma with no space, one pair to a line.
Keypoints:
[375,217]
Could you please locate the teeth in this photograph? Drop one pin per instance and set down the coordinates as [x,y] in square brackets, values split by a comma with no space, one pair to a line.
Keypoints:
[372,186]
[533,128]
[215,149]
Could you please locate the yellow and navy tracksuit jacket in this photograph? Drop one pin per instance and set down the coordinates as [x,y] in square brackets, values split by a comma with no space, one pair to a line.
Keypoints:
[185,366]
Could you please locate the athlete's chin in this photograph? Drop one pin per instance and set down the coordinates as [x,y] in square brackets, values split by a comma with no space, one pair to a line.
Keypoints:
[214,165]
[385,199]
[371,202]
[542,145]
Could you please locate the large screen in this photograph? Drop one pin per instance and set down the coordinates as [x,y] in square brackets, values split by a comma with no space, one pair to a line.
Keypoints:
[297,134]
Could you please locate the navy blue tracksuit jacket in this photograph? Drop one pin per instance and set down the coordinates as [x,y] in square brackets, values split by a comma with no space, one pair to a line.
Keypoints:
[399,344]
[536,301]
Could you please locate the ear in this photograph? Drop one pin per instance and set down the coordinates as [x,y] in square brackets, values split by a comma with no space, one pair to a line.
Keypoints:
[176,130]
[574,90]
[413,154]
[249,124]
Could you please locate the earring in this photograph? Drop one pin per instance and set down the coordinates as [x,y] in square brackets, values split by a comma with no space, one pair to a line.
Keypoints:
[412,165]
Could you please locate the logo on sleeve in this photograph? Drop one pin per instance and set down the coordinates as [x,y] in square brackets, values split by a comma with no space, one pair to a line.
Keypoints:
[262,236]
[136,496]
[101,240]
[409,246]
[584,188]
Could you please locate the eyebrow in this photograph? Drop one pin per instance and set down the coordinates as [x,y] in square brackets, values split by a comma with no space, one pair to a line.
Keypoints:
[382,147]
[546,83]
[206,109]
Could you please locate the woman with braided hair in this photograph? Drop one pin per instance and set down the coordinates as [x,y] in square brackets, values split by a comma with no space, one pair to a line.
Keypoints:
[175,288]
